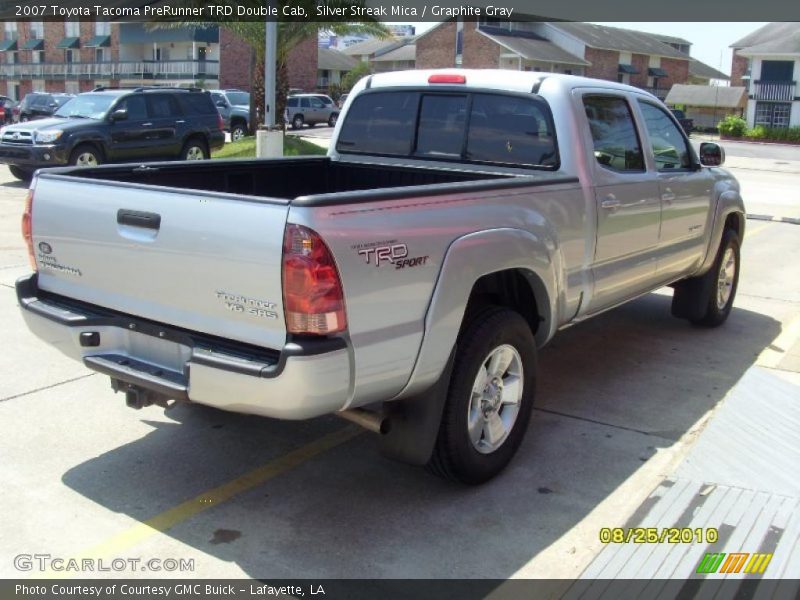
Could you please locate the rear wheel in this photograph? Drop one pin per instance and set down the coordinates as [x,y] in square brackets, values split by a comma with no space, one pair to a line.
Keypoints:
[297,122]
[489,400]
[194,149]
[332,120]
[85,156]
[21,174]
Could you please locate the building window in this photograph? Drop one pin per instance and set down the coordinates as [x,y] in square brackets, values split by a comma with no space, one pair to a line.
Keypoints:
[11,31]
[72,56]
[72,29]
[37,57]
[102,28]
[36,30]
[100,55]
[773,114]
[72,87]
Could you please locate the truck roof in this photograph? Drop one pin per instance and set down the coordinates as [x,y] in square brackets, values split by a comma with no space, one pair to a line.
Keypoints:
[495,79]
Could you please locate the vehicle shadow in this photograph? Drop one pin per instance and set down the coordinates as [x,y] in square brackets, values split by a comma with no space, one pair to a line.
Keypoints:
[15,183]
[612,392]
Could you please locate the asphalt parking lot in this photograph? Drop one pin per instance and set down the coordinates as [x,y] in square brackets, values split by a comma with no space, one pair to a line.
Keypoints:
[622,399]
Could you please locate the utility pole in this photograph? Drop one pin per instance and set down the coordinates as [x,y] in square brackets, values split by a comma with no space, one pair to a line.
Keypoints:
[270,55]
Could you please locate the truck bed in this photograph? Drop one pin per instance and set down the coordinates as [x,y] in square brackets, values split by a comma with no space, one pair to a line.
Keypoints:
[285,178]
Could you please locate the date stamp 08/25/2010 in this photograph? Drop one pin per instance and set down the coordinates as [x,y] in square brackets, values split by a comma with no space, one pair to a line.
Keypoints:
[659,535]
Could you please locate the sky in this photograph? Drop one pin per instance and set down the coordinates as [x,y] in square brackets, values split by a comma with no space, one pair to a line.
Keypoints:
[710,41]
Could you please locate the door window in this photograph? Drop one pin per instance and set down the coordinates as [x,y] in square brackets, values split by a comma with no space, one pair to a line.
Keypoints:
[162,106]
[616,143]
[667,142]
[136,107]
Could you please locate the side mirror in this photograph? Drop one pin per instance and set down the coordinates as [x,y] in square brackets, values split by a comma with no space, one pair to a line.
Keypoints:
[711,154]
[221,104]
[121,114]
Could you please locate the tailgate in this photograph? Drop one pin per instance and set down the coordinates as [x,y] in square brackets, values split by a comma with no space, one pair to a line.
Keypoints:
[205,262]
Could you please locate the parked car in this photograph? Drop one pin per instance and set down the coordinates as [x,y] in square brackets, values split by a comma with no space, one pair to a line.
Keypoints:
[342,100]
[405,281]
[687,124]
[326,100]
[7,106]
[38,105]
[308,109]
[116,125]
[234,106]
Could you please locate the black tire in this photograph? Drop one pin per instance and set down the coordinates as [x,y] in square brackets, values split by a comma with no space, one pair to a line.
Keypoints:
[85,155]
[456,456]
[194,149]
[20,174]
[701,299]
[238,131]
[297,122]
[332,120]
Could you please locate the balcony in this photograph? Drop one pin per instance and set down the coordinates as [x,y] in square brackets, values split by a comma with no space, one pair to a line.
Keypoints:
[146,70]
[659,93]
[776,91]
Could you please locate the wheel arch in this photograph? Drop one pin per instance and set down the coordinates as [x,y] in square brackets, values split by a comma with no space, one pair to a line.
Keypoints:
[507,267]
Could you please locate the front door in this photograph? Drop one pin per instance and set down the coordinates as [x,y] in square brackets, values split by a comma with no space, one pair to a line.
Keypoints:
[130,138]
[628,207]
[685,191]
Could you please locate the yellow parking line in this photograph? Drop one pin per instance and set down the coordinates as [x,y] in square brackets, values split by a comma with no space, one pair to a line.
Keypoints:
[114,545]
[751,232]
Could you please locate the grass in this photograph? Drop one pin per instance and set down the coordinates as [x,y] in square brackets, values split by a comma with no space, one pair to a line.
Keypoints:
[246,148]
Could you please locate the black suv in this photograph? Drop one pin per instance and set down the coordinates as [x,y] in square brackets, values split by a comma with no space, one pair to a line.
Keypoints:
[40,105]
[116,125]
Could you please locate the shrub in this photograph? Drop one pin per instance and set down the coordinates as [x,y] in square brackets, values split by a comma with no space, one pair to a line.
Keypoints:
[732,126]
[759,132]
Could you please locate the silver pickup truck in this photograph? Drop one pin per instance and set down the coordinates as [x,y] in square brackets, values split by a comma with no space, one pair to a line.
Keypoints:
[406,280]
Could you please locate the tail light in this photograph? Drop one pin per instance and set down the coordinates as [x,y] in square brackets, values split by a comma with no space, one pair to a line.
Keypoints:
[220,122]
[313,299]
[27,227]
[447,78]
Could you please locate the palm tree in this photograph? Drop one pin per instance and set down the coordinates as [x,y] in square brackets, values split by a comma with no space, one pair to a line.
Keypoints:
[290,34]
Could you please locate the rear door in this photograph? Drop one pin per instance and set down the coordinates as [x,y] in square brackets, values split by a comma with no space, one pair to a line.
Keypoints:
[627,200]
[166,118]
[205,262]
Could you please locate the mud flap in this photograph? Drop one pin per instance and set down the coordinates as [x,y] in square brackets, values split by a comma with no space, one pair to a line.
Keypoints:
[690,300]
[414,422]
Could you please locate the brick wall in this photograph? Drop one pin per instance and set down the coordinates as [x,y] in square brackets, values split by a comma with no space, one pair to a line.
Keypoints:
[640,63]
[302,65]
[234,61]
[605,63]
[677,70]
[738,69]
[437,49]
[479,51]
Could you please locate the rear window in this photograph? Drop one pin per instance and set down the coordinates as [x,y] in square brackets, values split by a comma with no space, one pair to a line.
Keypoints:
[197,103]
[474,127]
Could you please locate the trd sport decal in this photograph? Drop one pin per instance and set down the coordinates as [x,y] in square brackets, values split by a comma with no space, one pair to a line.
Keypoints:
[391,252]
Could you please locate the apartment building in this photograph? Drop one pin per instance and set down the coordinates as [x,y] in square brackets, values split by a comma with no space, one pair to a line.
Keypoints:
[637,58]
[76,56]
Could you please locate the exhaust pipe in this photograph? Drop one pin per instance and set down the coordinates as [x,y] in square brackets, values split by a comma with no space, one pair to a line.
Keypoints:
[375,422]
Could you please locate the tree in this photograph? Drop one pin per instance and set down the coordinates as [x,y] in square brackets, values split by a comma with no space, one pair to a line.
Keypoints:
[362,69]
[290,34]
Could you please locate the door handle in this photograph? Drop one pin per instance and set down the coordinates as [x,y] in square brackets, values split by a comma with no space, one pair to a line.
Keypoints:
[146,124]
[181,121]
[610,202]
[136,218]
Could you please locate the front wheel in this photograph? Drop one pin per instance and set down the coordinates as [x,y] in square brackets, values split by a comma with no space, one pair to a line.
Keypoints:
[332,119]
[20,174]
[194,150]
[707,300]
[489,400]
[238,132]
[85,156]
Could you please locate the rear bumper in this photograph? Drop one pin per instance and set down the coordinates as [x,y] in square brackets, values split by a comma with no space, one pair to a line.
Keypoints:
[305,379]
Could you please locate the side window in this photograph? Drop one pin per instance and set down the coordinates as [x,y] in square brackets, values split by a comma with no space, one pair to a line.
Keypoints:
[162,106]
[616,143]
[669,146]
[510,130]
[304,103]
[135,105]
[291,103]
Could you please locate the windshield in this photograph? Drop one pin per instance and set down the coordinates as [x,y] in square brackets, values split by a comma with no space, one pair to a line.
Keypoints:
[239,98]
[91,106]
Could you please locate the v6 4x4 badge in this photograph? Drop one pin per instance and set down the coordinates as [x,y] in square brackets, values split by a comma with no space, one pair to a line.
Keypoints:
[393,254]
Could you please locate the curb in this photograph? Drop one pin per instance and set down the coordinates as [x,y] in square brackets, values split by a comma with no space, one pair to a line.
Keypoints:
[792,220]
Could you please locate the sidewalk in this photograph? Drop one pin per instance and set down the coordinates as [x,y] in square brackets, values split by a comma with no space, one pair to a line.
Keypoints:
[742,478]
